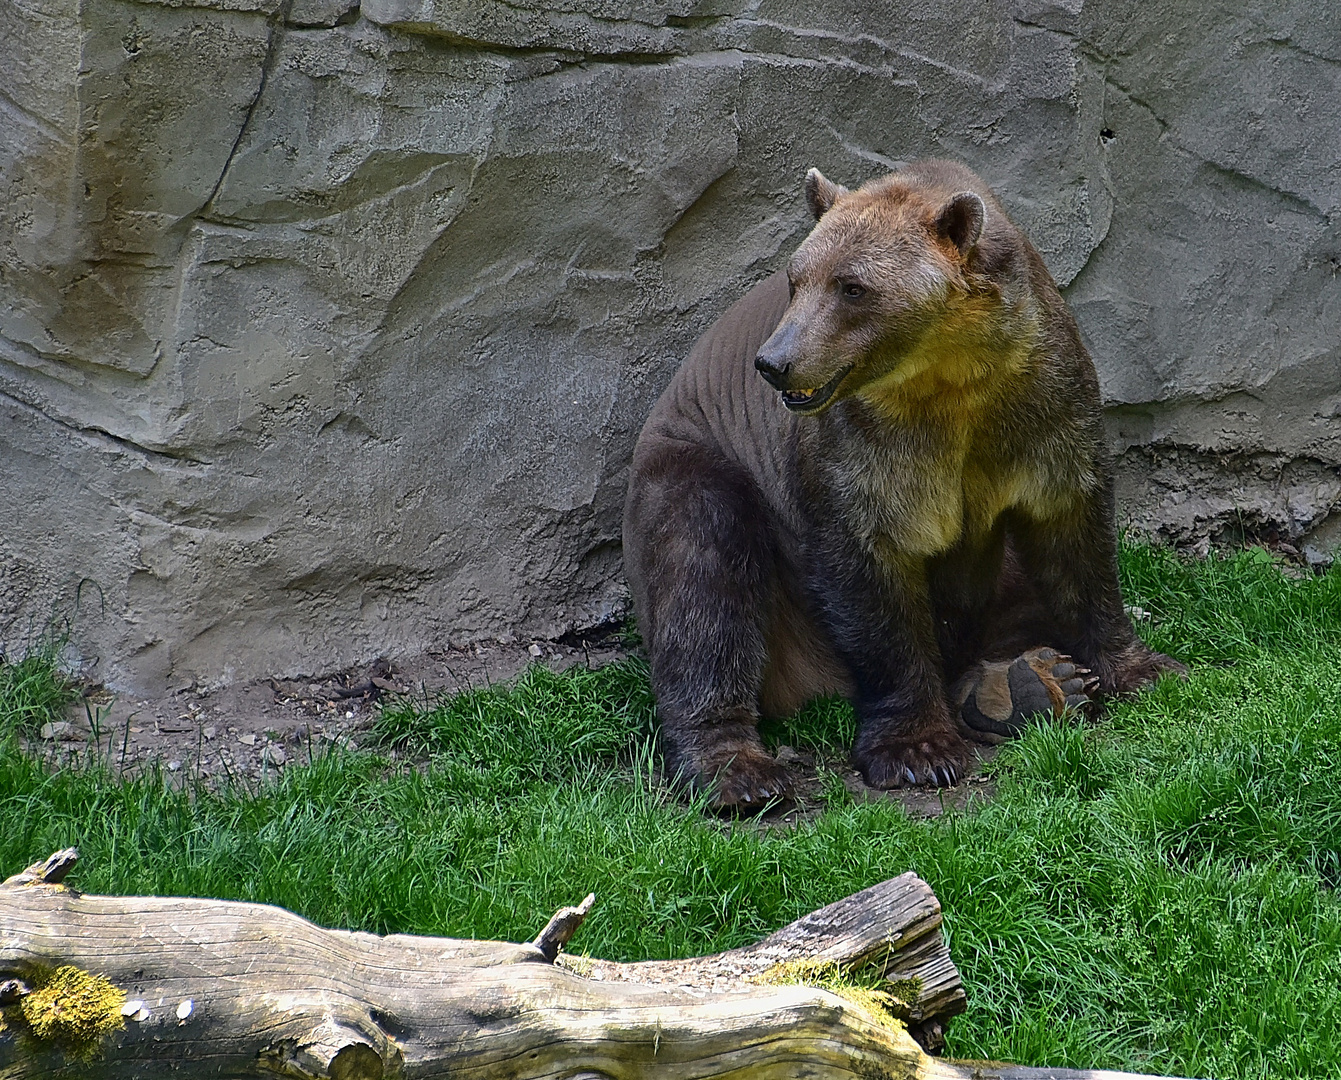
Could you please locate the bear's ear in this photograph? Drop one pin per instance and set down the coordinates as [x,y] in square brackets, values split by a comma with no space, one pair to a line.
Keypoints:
[961,220]
[821,193]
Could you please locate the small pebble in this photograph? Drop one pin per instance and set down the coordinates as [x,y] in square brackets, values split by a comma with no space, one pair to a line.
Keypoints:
[173,766]
[210,731]
[534,649]
[349,715]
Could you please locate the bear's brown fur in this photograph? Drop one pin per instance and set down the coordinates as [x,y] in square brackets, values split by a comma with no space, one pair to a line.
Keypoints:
[913,481]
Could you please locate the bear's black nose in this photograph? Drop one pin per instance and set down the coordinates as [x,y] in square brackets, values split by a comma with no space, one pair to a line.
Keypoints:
[774,369]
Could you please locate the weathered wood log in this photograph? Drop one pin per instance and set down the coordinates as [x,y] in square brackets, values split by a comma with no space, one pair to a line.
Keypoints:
[120,987]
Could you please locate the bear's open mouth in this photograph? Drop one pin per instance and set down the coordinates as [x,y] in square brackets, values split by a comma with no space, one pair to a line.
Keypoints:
[807,401]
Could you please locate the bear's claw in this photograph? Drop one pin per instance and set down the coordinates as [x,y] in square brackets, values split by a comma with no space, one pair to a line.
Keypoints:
[938,758]
[750,781]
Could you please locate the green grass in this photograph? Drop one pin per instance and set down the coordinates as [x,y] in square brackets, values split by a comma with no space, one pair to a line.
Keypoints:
[33,690]
[1154,893]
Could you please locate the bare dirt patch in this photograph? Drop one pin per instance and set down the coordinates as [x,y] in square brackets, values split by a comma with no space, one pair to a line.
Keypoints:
[251,732]
[808,776]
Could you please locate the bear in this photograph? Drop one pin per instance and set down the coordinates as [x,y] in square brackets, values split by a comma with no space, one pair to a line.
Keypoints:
[881,474]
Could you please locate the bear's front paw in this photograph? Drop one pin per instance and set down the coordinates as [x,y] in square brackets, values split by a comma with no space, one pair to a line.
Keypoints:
[726,759]
[936,757]
[997,699]
[749,783]
[737,773]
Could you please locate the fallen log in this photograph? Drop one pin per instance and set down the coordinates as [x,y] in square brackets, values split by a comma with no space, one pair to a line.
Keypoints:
[121,987]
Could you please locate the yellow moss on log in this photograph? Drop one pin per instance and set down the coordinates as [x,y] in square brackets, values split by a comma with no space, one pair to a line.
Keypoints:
[74,1008]
[871,992]
[579,964]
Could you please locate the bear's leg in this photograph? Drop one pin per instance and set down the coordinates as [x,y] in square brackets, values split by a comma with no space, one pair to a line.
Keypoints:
[963,584]
[879,620]
[701,555]
[1072,562]
[989,628]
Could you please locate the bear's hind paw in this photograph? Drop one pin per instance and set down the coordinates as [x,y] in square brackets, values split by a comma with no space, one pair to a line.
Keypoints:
[997,699]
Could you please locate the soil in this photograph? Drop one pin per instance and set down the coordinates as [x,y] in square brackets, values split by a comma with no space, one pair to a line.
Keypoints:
[919,802]
[251,732]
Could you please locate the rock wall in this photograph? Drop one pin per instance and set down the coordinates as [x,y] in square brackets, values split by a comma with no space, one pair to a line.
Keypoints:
[325,331]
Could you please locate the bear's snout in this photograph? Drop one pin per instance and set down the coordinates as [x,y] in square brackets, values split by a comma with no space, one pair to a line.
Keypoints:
[774,359]
[774,369]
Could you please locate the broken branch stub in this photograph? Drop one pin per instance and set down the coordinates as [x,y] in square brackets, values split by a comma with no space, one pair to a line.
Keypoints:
[561,928]
[50,871]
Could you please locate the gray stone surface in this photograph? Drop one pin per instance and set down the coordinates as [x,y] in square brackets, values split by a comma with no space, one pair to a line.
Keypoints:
[325,331]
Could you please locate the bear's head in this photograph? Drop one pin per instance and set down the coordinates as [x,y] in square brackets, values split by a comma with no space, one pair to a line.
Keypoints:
[884,292]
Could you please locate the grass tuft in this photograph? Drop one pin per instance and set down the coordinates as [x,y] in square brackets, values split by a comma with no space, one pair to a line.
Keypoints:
[827,726]
[33,690]
[541,727]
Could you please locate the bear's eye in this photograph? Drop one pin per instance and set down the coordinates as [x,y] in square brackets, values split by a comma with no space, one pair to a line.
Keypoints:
[853,291]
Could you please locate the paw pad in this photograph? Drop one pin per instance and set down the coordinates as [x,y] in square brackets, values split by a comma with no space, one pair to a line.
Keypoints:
[999,698]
